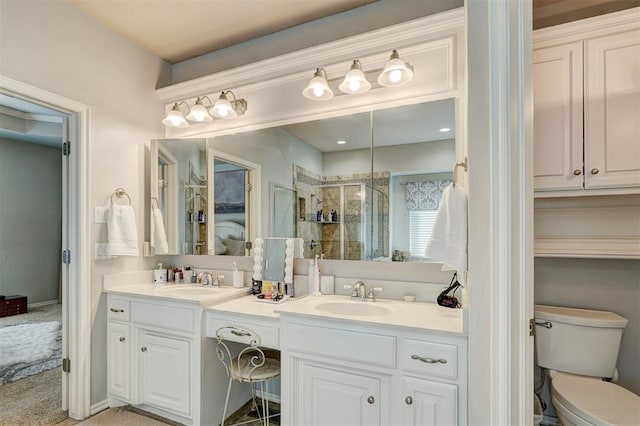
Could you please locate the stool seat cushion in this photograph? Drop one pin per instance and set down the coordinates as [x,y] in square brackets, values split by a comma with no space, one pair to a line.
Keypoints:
[245,369]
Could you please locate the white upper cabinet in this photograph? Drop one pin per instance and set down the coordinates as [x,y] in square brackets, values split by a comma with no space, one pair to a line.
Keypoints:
[587,106]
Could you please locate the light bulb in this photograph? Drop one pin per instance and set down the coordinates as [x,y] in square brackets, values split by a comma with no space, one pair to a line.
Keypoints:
[175,121]
[318,91]
[395,76]
[354,85]
[221,111]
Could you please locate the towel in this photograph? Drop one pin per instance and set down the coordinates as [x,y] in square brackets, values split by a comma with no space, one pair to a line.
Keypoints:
[158,236]
[122,234]
[448,241]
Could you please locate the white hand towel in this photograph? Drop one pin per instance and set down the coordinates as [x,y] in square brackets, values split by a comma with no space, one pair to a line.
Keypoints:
[448,241]
[158,235]
[122,234]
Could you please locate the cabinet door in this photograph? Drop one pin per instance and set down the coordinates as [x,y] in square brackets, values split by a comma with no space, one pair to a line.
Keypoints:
[612,110]
[119,360]
[328,396]
[557,120]
[429,403]
[166,372]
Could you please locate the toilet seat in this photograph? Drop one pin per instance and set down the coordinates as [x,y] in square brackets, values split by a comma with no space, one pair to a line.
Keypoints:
[595,401]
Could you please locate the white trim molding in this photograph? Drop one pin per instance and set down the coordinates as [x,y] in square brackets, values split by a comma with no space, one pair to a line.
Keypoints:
[79,284]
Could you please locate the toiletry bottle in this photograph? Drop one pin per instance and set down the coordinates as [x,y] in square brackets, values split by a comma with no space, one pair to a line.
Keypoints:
[311,277]
[316,278]
[319,216]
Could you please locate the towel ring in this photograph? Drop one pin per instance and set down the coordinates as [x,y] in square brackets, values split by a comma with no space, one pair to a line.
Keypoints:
[120,193]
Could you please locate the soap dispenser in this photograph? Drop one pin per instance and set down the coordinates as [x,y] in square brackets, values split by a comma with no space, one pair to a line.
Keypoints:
[160,274]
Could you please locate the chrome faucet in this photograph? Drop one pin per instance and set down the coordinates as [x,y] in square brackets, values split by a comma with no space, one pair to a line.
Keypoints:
[206,278]
[359,290]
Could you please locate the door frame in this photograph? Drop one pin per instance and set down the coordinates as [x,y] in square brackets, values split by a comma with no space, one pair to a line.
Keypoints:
[78,304]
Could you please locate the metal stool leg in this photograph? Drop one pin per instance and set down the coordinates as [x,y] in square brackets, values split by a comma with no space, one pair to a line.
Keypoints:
[226,402]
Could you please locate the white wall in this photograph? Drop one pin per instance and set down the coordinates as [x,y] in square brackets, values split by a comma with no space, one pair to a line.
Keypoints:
[50,45]
[30,220]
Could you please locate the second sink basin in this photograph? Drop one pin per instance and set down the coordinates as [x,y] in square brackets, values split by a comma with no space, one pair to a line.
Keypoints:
[356,309]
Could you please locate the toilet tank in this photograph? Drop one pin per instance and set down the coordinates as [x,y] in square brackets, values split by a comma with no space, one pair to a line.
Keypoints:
[578,341]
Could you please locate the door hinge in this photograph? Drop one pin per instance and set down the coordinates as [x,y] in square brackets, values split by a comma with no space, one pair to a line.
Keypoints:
[532,327]
[66,148]
[249,187]
[66,365]
[66,257]
[248,245]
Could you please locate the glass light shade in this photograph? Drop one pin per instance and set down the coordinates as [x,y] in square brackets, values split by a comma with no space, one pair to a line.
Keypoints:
[355,80]
[318,88]
[198,113]
[223,108]
[396,72]
[175,118]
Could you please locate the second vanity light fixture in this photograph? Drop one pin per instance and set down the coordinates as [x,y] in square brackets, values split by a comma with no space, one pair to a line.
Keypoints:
[395,73]
[199,113]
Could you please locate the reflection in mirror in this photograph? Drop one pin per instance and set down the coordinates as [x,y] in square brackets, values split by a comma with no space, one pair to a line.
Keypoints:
[273,260]
[273,264]
[283,211]
[233,179]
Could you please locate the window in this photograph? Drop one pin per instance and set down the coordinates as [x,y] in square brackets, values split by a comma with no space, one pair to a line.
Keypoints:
[420,227]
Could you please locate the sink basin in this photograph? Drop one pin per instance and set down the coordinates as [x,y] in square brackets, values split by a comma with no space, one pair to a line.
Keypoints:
[191,291]
[356,309]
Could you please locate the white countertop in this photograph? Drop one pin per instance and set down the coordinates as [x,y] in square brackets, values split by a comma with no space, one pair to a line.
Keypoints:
[188,293]
[423,316]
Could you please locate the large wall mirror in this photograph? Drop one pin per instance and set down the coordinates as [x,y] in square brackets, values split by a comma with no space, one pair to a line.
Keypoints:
[363,186]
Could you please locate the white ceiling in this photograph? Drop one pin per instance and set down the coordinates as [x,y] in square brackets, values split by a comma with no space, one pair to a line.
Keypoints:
[176,30]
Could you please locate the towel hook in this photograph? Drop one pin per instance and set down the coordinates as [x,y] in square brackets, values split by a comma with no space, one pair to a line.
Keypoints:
[462,164]
[120,193]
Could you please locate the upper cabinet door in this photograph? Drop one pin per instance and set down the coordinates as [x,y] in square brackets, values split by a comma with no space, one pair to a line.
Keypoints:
[558,139]
[612,110]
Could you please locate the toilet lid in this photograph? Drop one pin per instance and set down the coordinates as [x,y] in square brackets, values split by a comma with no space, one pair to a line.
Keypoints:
[596,401]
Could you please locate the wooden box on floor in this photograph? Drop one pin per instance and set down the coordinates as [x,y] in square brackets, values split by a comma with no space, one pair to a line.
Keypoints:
[13,305]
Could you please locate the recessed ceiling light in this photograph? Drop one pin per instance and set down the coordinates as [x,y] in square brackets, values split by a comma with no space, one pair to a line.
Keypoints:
[445,129]
[341,142]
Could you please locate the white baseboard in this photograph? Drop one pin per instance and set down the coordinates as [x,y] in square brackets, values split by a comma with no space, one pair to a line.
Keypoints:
[48,302]
[272,397]
[100,406]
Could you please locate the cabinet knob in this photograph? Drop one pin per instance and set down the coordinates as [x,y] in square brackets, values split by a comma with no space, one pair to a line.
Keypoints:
[595,171]
[371,400]
[408,400]
[122,339]
[577,172]
[143,349]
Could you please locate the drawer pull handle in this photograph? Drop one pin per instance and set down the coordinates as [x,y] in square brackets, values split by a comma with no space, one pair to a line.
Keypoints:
[117,310]
[371,400]
[408,400]
[122,339]
[143,349]
[429,360]
[240,333]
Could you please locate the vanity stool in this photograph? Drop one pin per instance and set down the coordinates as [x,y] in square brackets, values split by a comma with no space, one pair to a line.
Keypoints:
[252,365]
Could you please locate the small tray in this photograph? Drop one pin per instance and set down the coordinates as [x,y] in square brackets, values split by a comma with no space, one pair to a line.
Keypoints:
[273,302]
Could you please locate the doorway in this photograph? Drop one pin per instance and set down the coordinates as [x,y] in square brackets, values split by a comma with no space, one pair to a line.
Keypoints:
[75,241]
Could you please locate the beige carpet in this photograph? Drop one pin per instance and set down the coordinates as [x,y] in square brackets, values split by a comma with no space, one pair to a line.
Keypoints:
[34,400]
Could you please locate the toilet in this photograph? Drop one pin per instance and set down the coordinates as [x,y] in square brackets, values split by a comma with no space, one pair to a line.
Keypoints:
[580,347]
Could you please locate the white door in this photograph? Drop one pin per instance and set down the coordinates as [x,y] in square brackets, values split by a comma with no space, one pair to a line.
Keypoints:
[428,403]
[333,397]
[557,117]
[612,111]
[166,372]
[119,360]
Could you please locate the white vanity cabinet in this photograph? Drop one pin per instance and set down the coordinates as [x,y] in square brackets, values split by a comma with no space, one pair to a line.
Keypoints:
[153,356]
[586,105]
[344,372]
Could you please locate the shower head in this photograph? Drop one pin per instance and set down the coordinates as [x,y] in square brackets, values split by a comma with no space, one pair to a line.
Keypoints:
[317,198]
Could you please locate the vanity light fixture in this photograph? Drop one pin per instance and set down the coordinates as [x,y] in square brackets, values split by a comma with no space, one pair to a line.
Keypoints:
[355,80]
[396,72]
[318,88]
[199,113]
[341,142]
[175,117]
[445,129]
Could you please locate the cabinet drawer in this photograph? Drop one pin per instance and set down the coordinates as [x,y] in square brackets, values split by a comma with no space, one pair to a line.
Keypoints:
[118,309]
[363,348]
[269,336]
[433,359]
[163,316]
